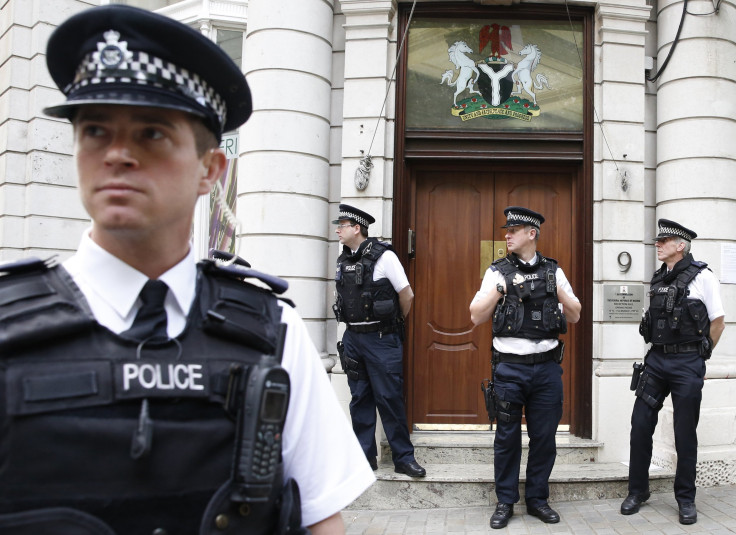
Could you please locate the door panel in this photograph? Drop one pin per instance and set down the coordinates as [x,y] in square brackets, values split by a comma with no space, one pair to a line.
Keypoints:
[451,221]
[458,211]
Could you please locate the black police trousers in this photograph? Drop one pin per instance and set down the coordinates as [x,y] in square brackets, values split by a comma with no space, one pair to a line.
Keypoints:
[682,376]
[382,389]
[538,388]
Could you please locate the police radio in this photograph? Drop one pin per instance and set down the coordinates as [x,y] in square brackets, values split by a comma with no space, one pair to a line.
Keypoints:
[262,423]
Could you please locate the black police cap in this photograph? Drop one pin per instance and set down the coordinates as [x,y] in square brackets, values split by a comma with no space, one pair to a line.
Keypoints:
[354,214]
[517,215]
[669,229]
[118,54]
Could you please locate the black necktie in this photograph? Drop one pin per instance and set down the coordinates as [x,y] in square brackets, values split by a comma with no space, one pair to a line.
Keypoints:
[150,322]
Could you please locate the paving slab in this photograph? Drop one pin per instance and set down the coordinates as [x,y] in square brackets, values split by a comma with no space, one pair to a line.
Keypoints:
[716,516]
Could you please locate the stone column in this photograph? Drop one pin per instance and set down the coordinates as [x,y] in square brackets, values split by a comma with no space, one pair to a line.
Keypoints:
[620,186]
[42,213]
[283,173]
[370,56]
[696,186]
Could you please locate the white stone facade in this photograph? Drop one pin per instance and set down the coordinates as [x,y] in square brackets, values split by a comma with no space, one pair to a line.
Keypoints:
[320,71]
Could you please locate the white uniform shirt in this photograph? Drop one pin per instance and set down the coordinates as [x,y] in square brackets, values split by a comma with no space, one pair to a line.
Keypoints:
[320,450]
[510,344]
[706,287]
[389,267]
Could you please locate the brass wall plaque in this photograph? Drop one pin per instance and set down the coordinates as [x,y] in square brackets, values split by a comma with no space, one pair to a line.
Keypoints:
[489,252]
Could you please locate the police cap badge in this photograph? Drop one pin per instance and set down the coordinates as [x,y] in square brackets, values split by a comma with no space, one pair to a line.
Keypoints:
[122,55]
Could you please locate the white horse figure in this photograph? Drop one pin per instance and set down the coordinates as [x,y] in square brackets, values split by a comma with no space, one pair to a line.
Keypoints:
[467,67]
[523,74]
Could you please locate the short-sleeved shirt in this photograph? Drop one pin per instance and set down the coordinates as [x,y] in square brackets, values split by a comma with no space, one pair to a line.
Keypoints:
[389,267]
[320,450]
[706,287]
[511,344]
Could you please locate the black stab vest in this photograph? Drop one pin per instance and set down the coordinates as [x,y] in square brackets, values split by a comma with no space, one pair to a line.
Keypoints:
[674,317]
[359,297]
[529,309]
[71,393]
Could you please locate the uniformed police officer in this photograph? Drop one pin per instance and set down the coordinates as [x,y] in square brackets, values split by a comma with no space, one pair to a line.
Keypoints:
[525,294]
[141,392]
[373,298]
[684,323]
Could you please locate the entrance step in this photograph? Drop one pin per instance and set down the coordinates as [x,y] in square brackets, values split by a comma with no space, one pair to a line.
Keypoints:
[460,474]
[476,447]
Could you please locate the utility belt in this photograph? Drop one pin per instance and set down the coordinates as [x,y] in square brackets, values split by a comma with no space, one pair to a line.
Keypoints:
[689,347]
[383,328]
[555,354]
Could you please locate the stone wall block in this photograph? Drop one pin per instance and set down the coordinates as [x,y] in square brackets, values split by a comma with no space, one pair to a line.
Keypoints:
[53,201]
[13,168]
[610,269]
[276,131]
[611,426]
[308,16]
[14,104]
[624,221]
[15,72]
[12,200]
[287,50]
[376,182]
[12,232]
[309,297]
[56,11]
[296,91]
[622,63]
[53,232]
[357,135]
[717,426]
[13,136]
[622,102]
[708,217]
[699,57]
[51,168]
[622,180]
[338,73]
[689,175]
[364,97]
[285,255]
[696,138]
[701,97]
[258,217]
[372,56]
[287,172]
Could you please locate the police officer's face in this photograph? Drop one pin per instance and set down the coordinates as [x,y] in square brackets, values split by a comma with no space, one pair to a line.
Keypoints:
[139,169]
[348,233]
[669,249]
[518,238]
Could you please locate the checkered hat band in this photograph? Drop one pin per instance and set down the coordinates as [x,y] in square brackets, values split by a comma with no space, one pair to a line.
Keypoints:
[355,217]
[522,217]
[676,231]
[144,69]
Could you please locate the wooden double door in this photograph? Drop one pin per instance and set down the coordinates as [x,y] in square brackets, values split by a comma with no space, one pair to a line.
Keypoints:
[457,214]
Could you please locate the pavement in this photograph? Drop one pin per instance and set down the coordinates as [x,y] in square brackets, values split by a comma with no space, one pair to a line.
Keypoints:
[716,515]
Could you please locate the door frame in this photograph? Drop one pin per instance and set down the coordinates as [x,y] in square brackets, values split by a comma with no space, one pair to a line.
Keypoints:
[500,149]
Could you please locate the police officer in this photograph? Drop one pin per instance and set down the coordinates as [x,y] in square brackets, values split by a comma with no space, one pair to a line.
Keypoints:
[143,392]
[525,294]
[373,298]
[684,323]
